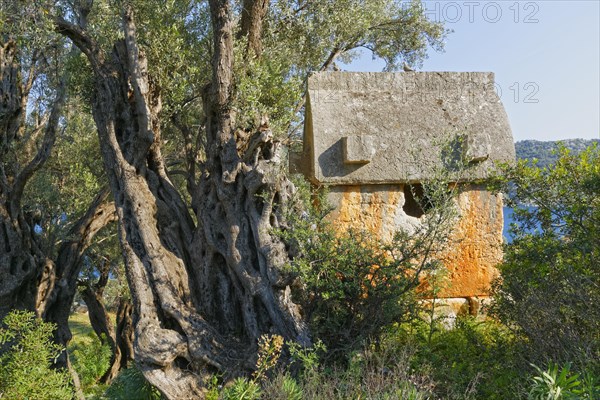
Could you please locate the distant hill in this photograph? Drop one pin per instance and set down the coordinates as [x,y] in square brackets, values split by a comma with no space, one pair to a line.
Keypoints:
[543,151]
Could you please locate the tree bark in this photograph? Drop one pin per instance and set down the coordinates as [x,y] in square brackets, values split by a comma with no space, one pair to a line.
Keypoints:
[123,355]
[21,258]
[202,295]
[58,284]
[99,318]
[251,25]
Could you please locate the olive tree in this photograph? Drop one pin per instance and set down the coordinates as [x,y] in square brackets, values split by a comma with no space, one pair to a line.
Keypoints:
[40,252]
[204,266]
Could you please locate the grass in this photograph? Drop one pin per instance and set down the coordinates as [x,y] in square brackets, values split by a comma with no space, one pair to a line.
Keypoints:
[79,323]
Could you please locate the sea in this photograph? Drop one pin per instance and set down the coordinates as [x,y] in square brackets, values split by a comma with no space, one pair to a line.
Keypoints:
[508,218]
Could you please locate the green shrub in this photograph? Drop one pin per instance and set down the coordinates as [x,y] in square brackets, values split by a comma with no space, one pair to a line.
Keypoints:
[25,371]
[305,359]
[91,358]
[130,384]
[241,389]
[554,384]
[212,389]
[473,360]
[350,284]
[290,390]
[590,384]
[550,287]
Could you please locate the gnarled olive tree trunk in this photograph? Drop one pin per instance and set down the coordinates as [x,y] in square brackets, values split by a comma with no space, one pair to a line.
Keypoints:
[123,342]
[21,257]
[29,278]
[58,283]
[202,294]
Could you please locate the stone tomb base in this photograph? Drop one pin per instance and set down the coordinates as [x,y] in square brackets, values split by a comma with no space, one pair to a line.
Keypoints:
[475,247]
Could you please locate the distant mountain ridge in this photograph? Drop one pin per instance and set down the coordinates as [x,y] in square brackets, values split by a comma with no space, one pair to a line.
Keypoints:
[543,151]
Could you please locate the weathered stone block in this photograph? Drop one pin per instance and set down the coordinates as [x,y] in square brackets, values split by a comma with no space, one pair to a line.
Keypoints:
[412,121]
[368,135]
[358,149]
[477,148]
[474,249]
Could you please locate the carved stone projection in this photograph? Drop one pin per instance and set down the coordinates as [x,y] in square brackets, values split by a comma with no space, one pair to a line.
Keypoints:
[368,136]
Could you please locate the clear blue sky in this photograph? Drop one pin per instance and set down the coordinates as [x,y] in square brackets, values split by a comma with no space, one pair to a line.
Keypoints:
[545,54]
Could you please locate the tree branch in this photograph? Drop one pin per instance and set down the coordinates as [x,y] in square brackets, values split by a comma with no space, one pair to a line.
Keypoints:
[335,53]
[190,152]
[251,24]
[223,52]
[99,214]
[11,105]
[43,153]
[31,75]
[80,39]
[138,70]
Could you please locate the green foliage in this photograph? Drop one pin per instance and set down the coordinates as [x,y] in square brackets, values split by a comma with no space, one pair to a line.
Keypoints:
[301,37]
[372,373]
[551,270]
[212,389]
[554,384]
[61,192]
[312,31]
[26,357]
[290,389]
[130,384]
[353,285]
[91,358]
[473,360]
[354,288]
[590,384]
[242,389]
[177,44]
[375,372]
[307,358]
[28,22]
[264,88]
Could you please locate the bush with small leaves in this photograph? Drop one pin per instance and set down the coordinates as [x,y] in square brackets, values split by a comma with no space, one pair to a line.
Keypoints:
[26,356]
[91,358]
[351,284]
[473,360]
[549,291]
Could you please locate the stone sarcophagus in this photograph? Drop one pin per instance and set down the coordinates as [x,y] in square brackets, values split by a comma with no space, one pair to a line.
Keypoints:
[372,136]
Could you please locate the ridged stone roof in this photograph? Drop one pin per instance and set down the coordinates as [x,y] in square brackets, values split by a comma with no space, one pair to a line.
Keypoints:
[403,127]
